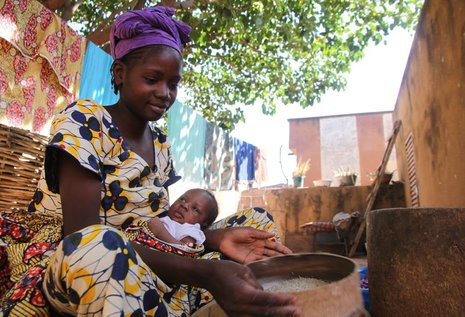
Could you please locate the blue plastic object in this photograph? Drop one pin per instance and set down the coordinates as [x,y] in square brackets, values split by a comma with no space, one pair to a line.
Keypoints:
[363,273]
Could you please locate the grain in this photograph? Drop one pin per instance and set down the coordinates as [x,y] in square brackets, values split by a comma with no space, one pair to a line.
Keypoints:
[293,285]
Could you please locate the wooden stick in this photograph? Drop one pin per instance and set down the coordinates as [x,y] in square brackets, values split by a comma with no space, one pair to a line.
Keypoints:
[377,183]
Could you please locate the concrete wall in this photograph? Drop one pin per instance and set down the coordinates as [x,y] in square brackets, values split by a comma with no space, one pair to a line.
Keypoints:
[350,141]
[431,105]
[292,207]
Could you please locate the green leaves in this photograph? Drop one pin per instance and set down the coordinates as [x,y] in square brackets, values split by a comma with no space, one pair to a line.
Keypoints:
[267,52]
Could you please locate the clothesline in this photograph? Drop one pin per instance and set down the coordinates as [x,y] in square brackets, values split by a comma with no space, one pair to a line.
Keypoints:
[51,65]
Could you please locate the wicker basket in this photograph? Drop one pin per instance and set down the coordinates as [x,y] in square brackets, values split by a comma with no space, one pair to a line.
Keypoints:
[21,159]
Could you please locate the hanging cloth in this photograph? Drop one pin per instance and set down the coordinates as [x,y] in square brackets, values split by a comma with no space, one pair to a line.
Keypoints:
[261,174]
[245,160]
[96,79]
[219,158]
[186,130]
[40,65]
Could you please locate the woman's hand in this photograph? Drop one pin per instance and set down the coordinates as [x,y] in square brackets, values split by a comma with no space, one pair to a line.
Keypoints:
[232,285]
[246,244]
[236,290]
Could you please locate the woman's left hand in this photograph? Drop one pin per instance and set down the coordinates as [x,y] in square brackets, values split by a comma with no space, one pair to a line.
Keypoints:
[246,244]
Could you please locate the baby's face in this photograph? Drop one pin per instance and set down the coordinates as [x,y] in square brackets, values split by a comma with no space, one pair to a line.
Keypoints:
[192,207]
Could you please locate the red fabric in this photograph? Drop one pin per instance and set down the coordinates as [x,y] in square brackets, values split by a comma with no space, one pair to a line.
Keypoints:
[5,283]
[318,226]
[145,238]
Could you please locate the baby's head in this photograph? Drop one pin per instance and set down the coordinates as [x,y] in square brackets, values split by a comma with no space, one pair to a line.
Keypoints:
[195,206]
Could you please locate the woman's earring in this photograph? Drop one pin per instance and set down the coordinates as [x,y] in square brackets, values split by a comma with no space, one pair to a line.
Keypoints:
[116,87]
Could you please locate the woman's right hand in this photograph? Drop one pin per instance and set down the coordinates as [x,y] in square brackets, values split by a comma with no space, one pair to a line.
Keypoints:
[238,292]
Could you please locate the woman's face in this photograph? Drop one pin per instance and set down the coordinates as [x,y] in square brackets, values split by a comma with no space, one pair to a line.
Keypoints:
[149,84]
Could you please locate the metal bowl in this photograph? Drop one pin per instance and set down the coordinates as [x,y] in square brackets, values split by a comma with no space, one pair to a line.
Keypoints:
[340,297]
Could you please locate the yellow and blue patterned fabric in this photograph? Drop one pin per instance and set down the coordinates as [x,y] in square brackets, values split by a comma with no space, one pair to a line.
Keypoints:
[131,190]
[96,272]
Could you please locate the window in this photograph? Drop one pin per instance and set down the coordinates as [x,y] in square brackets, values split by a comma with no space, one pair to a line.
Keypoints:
[411,170]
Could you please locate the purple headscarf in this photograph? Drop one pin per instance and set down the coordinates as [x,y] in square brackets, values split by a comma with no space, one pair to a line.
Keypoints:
[150,26]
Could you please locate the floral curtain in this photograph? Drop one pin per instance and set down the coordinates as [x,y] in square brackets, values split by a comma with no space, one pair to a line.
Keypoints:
[40,64]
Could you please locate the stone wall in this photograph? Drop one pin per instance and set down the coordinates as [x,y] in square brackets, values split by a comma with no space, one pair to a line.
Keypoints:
[431,105]
[292,207]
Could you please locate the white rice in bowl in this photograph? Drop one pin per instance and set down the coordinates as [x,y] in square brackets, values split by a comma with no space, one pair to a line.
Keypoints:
[293,285]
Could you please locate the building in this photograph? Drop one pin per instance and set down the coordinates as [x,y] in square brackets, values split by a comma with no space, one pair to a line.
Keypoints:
[353,142]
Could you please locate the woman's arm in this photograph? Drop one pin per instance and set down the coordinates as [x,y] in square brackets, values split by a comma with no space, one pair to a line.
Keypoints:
[244,244]
[231,284]
[80,194]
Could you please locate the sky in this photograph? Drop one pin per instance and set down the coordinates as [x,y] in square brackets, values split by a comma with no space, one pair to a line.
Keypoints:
[372,85]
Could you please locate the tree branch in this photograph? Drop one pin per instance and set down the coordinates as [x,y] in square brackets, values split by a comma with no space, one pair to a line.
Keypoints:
[232,66]
[65,9]
[68,8]
[253,48]
[139,5]
[178,5]
[101,35]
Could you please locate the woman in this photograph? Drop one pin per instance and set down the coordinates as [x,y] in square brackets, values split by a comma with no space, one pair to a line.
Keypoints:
[106,169]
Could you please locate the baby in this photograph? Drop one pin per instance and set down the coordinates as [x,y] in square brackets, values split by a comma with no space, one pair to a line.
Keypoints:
[191,213]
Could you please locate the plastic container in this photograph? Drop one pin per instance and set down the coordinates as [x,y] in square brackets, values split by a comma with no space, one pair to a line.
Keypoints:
[322,183]
[363,273]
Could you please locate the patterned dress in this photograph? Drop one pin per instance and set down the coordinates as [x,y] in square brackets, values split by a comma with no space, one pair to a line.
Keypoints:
[96,271]
[131,190]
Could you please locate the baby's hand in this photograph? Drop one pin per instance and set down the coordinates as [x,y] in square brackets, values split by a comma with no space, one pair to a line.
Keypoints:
[189,241]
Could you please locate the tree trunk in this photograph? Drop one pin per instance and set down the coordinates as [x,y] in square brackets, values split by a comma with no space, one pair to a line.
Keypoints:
[68,9]
[101,37]
[139,5]
[177,5]
[53,5]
